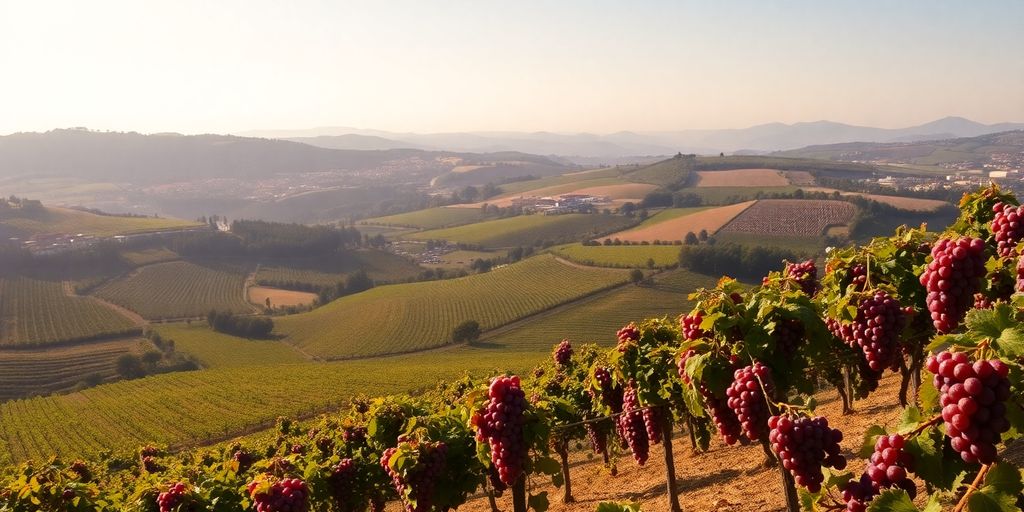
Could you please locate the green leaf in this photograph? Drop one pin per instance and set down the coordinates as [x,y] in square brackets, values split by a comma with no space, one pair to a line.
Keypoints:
[807,500]
[1010,343]
[928,461]
[547,465]
[867,447]
[990,323]
[539,501]
[929,395]
[1005,478]
[892,500]
[910,418]
[695,366]
[693,402]
[988,499]
[933,505]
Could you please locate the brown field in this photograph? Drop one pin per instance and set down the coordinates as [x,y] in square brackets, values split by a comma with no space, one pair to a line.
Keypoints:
[675,229]
[259,294]
[742,178]
[800,178]
[619,194]
[905,203]
[791,217]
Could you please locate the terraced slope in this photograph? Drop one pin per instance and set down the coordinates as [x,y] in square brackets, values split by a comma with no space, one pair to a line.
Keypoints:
[407,317]
[31,372]
[177,289]
[34,312]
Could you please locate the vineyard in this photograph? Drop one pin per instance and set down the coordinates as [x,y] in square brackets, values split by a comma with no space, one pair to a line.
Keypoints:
[36,313]
[401,318]
[920,331]
[31,372]
[526,230]
[177,289]
[63,220]
[216,350]
[311,274]
[431,218]
[791,217]
[625,256]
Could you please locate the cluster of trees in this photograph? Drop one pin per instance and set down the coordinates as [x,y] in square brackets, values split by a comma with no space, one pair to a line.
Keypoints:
[745,262]
[162,360]
[664,198]
[15,204]
[618,241]
[269,239]
[355,282]
[245,326]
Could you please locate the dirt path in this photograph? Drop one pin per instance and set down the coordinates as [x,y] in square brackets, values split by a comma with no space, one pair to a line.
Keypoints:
[69,290]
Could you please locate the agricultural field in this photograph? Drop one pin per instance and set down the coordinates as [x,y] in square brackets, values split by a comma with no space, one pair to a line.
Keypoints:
[616,189]
[64,220]
[177,289]
[742,178]
[407,317]
[34,312]
[313,273]
[667,173]
[791,217]
[431,218]
[913,204]
[277,297]
[285,277]
[527,230]
[732,195]
[217,350]
[627,256]
[461,259]
[149,256]
[573,179]
[36,372]
[670,226]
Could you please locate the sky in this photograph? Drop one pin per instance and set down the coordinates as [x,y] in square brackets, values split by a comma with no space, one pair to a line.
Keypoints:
[221,66]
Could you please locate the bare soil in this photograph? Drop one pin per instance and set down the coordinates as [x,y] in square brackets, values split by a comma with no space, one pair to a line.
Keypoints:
[258,295]
[742,178]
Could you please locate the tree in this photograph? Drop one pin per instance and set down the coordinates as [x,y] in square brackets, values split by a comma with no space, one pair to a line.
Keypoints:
[636,276]
[466,332]
[650,263]
[691,239]
[703,235]
[152,357]
[129,366]
[628,209]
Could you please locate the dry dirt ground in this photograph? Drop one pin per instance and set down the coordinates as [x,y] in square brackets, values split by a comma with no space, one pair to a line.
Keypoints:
[675,229]
[723,479]
[742,178]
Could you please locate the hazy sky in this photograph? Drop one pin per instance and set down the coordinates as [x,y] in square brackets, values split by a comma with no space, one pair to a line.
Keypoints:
[559,65]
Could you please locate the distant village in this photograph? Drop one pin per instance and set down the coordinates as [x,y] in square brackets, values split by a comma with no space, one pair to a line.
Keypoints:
[565,203]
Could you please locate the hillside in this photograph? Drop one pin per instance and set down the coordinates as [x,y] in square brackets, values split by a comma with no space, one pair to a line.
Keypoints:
[52,220]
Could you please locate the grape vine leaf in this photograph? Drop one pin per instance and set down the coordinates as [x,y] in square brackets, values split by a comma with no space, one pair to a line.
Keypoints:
[1005,478]
[988,500]
[539,501]
[990,323]
[892,500]
[929,394]
[933,505]
[867,447]
[547,465]
[1010,343]
[910,418]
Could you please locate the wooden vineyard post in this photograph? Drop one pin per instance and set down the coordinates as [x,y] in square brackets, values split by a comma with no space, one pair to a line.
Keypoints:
[670,466]
[519,494]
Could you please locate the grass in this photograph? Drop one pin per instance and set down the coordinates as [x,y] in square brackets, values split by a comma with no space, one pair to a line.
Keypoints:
[529,229]
[177,289]
[630,256]
[34,312]
[407,317]
[35,372]
[431,218]
[63,220]
[667,173]
[216,350]
[149,256]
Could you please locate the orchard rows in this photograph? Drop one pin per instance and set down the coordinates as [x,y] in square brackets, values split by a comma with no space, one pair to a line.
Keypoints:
[942,310]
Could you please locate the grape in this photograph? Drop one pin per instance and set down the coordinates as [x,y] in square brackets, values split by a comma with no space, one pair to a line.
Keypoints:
[1008,228]
[725,419]
[973,403]
[789,334]
[982,302]
[682,365]
[888,467]
[354,436]
[858,277]
[805,445]
[176,498]
[325,445]
[563,353]
[419,483]
[243,458]
[876,330]
[501,425]
[496,483]
[690,326]
[805,274]
[952,278]
[80,469]
[150,465]
[627,335]
[633,427]
[1020,274]
[747,399]
[286,495]
[598,438]
[344,487]
[652,423]
[611,394]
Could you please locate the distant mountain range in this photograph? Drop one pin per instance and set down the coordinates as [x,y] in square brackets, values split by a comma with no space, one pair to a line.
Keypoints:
[586,146]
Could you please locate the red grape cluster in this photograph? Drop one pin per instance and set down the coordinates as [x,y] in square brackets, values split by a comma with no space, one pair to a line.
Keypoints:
[344,487]
[611,395]
[287,495]
[1008,228]
[724,417]
[82,470]
[150,465]
[747,399]
[417,486]
[973,403]
[805,445]
[876,330]
[652,423]
[354,436]
[887,469]
[789,334]
[633,427]
[598,438]
[501,425]
[858,277]
[176,498]
[243,458]
[563,353]
[982,302]
[952,278]
[682,365]
[805,274]
[690,325]
[627,335]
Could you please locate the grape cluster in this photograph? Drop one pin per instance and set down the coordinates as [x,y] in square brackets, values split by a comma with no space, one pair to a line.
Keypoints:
[652,423]
[611,395]
[176,498]
[417,486]
[982,302]
[690,326]
[598,438]
[747,399]
[287,495]
[150,464]
[858,277]
[563,353]
[789,334]
[876,330]
[805,445]
[887,469]
[952,278]
[354,436]
[80,469]
[724,417]
[627,335]
[973,403]
[633,427]
[805,274]
[501,425]
[1008,228]
[343,486]
[243,458]
[682,365]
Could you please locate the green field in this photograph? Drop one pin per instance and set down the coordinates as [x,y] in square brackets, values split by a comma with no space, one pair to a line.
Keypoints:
[591,178]
[667,173]
[431,218]
[216,350]
[527,230]
[63,220]
[631,256]
[36,312]
[669,214]
[42,371]
[732,195]
[300,273]
[407,317]
[597,320]
[177,289]
[149,256]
